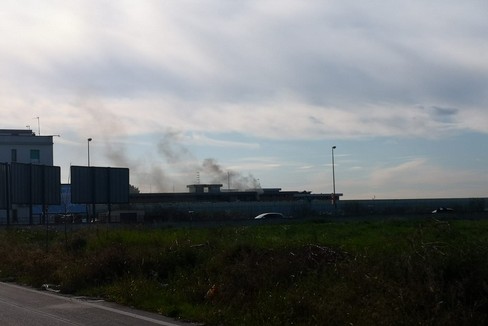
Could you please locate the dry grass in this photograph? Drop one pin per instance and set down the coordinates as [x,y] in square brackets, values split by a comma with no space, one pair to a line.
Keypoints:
[361,273]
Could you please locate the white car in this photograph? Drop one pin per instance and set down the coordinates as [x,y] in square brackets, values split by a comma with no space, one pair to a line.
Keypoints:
[442,210]
[269,216]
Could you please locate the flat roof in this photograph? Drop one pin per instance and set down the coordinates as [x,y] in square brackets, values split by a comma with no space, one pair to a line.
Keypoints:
[16,132]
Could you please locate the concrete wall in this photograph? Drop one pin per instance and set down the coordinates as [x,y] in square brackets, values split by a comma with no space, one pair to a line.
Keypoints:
[300,209]
[297,209]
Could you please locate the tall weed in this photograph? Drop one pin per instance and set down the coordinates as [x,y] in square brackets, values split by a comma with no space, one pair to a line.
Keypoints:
[360,273]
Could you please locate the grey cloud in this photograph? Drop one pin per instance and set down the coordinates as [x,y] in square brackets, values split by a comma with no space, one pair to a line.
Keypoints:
[326,55]
[315,120]
[446,112]
[445,115]
[344,56]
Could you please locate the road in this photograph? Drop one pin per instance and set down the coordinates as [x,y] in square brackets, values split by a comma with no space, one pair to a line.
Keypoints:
[26,306]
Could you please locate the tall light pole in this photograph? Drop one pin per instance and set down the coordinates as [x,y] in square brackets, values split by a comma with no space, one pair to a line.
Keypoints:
[88,212]
[88,141]
[333,179]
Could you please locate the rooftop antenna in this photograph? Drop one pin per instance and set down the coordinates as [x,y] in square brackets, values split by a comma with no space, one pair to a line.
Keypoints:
[38,126]
[69,174]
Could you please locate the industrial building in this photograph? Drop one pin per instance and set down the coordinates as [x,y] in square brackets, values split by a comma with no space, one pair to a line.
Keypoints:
[210,201]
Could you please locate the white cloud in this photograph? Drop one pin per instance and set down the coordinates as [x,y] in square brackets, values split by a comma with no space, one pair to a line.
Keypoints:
[201,139]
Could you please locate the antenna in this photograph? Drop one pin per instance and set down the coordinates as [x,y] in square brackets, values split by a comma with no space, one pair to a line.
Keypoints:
[69,174]
[38,126]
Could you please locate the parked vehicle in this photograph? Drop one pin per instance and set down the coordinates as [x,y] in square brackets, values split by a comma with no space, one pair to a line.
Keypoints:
[67,218]
[442,210]
[269,216]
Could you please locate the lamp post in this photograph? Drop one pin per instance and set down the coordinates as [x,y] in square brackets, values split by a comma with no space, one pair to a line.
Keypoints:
[333,179]
[88,211]
[89,140]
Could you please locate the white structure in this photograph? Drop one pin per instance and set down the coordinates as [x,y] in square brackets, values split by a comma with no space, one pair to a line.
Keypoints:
[24,146]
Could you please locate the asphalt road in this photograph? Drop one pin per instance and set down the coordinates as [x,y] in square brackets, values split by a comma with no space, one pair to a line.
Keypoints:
[26,306]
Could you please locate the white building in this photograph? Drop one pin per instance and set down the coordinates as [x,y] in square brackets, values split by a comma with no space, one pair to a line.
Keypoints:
[24,146]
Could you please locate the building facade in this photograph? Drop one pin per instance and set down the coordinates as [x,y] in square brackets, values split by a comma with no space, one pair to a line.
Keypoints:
[24,146]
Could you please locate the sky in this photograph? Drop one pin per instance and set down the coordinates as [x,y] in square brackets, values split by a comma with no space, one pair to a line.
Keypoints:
[255,93]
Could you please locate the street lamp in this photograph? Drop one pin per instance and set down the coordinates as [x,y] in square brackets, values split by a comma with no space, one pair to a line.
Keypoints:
[333,179]
[89,140]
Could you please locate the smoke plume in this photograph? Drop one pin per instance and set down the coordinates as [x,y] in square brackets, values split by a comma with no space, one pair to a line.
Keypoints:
[234,180]
[174,159]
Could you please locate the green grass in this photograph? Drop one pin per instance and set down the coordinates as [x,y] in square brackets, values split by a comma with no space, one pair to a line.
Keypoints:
[323,273]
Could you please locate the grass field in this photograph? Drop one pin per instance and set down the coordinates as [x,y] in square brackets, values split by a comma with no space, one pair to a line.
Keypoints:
[420,271]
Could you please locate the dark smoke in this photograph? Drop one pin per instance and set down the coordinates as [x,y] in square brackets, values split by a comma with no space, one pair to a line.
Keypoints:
[170,147]
[179,157]
[236,180]
[172,150]
[107,131]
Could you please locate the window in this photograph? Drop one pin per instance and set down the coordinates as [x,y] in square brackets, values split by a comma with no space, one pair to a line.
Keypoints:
[13,156]
[35,156]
